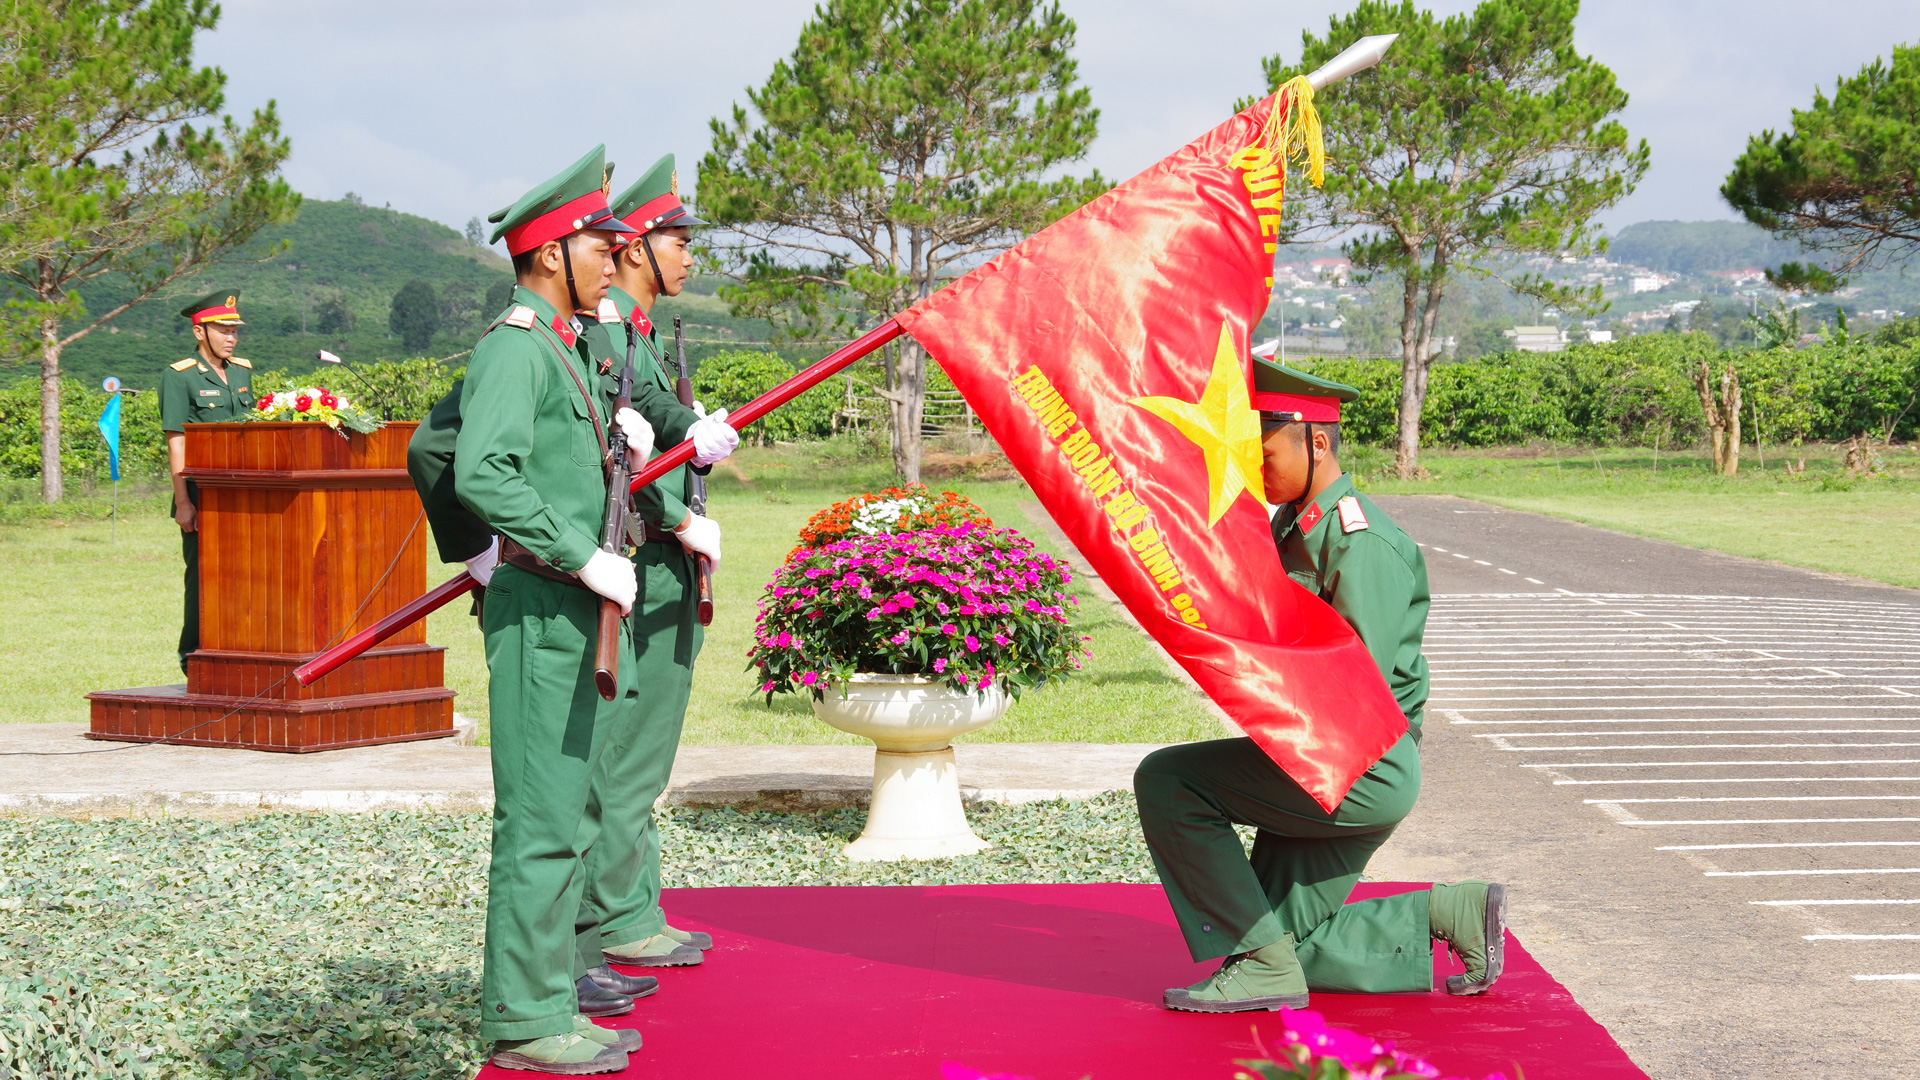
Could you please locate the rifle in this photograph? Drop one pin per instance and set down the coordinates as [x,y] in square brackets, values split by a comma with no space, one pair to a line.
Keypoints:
[697,496]
[613,533]
[662,464]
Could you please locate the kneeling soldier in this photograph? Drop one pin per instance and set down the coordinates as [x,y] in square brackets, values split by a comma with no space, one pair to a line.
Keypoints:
[1280,918]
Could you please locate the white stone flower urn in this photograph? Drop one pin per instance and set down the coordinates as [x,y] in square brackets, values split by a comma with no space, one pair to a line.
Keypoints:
[912,720]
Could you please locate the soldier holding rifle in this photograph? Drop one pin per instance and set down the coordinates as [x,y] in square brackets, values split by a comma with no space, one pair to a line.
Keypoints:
[528,463]
[673,542]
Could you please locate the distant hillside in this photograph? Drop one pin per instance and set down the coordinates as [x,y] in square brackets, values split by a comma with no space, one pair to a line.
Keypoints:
[339,252]
[1699,247]
[359,256]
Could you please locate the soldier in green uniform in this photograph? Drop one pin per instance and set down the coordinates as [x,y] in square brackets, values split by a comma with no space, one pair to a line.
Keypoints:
[622,920]
[529,464]
[1280,917]
[211,387]
[461,536]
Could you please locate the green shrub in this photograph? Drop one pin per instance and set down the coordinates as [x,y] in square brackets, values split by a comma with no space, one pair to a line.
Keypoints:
[730,379]
[390,389]
[1641,390]
[83,453]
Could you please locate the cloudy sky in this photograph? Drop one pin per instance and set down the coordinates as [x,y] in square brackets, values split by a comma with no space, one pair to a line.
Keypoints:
[451,108]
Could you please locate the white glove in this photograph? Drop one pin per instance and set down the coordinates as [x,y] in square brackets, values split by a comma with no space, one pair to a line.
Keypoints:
[639,437]
[481,565]
[700,536]
[612,577]
[712,439]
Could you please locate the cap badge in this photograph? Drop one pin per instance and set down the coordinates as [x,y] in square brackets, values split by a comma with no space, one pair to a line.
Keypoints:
[231,300]
[673,181]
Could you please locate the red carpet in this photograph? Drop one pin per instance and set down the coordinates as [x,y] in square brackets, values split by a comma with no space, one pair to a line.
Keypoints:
[1055,982]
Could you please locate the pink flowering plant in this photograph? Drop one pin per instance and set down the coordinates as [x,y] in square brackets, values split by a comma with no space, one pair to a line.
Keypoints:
[973,605]
[1313,1050]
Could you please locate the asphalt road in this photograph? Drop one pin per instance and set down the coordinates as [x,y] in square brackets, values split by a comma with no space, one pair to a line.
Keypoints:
[1699,774]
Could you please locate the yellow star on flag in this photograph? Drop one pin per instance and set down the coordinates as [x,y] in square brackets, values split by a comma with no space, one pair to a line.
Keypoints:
[1224,425]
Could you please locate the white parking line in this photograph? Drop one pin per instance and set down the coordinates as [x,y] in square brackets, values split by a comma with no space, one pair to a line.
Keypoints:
[1735,731]
[1824,903]
[1749,780]
[1693,746]
[1678,764]
[1828,843]
[1761,798]
[1805,873]
[1767,821]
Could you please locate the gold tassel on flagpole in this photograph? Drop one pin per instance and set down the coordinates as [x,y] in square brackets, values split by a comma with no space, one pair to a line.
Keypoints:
[1292,131]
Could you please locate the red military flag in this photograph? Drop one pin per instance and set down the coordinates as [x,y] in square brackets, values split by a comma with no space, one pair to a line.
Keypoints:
[1108,355]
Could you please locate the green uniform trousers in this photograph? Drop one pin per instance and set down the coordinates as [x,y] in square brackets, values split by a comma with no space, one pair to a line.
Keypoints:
[549,729]
[622,901]
[1305,862]
[190,623]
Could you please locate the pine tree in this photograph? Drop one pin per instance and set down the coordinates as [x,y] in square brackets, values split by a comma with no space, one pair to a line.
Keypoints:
[1479,134]
[106,174]
[900,138]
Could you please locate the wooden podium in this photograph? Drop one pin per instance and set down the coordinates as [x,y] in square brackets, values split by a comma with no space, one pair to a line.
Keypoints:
[305,538]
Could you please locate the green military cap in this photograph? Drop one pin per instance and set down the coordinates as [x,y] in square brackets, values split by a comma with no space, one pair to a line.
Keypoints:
[576,199]
[1283,393]
[218,306]
[653,202]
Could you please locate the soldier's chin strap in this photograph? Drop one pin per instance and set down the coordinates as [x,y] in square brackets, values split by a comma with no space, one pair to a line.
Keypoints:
[566,259]
[659,279]
[1308,490]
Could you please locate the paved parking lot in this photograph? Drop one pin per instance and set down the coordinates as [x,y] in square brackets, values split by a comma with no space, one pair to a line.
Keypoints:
[1700,774]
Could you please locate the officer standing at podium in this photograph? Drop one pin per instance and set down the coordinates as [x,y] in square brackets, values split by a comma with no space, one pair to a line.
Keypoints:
[211,387]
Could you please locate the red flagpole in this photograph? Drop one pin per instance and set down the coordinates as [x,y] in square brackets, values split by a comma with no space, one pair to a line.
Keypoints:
[831,365]
[306,674]
[803,381]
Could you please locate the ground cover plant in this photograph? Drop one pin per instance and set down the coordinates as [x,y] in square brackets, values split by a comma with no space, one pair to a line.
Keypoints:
[348,946]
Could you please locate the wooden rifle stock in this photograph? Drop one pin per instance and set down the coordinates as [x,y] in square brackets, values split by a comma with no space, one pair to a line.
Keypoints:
[418,608]
[697,501]
[613,533]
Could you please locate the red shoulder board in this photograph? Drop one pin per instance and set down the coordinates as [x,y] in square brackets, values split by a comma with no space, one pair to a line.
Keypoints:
[641,322]
[1308,518]
[564,331]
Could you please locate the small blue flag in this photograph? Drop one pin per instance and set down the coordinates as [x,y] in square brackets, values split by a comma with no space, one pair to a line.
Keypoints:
[110,430]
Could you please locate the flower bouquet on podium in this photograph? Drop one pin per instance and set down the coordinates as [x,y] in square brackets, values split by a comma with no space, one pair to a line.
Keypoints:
[315,404]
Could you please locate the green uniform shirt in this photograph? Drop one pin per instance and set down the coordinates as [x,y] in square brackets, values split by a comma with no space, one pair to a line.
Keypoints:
[458,532]
[527,460]
[662,503]
[191,393]
[1373,575]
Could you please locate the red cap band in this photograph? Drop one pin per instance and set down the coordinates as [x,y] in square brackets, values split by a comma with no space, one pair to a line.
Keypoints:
[554,224]
[215,314]
[1318,410]
[651,211]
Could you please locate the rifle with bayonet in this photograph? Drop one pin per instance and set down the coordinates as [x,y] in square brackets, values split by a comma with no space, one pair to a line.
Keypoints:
[697,490]
[613,531]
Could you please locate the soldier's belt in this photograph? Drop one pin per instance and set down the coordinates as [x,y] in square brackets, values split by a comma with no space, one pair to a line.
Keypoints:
[513,554]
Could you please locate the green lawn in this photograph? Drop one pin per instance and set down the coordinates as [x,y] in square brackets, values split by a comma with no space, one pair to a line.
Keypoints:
[87,614]
[1821,518]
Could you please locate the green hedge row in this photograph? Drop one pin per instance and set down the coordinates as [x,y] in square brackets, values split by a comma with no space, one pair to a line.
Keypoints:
[1639,390]
[1630,392]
